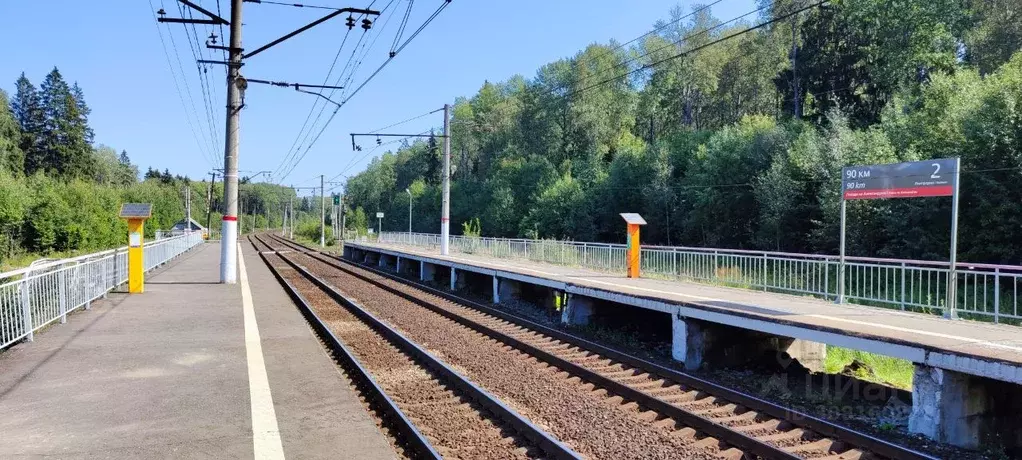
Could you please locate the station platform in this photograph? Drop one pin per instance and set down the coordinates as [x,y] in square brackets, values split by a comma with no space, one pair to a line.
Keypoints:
[967,375]
[988,350]
[189,369]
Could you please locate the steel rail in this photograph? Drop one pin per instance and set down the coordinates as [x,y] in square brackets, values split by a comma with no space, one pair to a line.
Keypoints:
[527,429]
[799,419]
[723,433]
[377,398]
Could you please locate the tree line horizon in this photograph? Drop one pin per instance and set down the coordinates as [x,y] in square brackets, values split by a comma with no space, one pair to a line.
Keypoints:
[740,144]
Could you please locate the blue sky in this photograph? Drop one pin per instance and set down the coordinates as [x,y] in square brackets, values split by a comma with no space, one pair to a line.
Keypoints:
[113,50]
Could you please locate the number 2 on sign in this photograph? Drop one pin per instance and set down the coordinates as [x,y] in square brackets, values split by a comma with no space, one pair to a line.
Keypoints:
[936,169]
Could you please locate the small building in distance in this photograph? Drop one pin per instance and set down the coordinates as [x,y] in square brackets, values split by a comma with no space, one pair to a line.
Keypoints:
[182,226]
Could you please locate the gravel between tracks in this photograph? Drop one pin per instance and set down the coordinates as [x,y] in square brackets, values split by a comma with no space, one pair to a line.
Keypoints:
[590,423]
[457,427]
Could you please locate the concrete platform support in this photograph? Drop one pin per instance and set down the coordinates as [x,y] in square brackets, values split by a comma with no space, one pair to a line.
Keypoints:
[965,410]
[496,290]
[688,339]
[397,265]
[509,289]
[457,282]
[427,271]
[577,311]
[698,343]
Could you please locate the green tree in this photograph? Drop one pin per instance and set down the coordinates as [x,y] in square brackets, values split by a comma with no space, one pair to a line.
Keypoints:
[358,221]
[719,185]
[13,202]
[12,159]
[562,211]
[28,111]
[110,169]
[997,33]
[66,136]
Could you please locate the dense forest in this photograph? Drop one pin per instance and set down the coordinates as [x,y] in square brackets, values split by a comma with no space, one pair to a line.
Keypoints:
[733,139]
[60,193]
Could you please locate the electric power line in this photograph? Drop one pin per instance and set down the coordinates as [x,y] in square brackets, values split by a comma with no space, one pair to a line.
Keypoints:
[177,89]
[188,90]
[312,108]
[666,25]
[365,82]
[287,163]
[355,160]
[401,29]
[699,48]
[705,31]
[405,121]
[204,84]
[294,5]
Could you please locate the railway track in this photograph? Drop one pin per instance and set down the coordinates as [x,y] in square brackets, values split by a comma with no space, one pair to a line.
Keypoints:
[660,395]
[434,411]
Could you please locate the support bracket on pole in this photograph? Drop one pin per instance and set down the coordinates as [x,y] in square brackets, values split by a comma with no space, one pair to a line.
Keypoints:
[213,19]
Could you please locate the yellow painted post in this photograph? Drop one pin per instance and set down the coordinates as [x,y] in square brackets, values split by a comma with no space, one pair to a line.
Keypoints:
[633,250]
[632,261]
[136,215]
[136,264]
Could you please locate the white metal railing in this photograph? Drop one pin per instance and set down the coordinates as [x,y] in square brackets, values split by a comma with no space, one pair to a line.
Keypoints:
[33,297]
[986,291]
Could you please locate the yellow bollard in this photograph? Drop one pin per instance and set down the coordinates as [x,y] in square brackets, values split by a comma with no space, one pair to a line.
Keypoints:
[632,256]
[136,264]
[136,215]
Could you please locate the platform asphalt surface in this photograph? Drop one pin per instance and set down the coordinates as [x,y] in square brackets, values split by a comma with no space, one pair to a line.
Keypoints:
[164,375]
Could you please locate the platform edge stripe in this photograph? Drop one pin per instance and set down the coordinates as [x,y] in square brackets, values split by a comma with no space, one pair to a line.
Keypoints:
[266,443]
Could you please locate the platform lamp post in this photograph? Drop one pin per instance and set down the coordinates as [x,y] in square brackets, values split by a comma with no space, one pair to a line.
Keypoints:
[632,257]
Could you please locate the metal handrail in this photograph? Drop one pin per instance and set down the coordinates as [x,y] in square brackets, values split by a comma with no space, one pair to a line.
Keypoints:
[35,296]
[386,235]
[985,291]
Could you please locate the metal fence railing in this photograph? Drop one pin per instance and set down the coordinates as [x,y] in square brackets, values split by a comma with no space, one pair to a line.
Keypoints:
[984,291]
[33,297]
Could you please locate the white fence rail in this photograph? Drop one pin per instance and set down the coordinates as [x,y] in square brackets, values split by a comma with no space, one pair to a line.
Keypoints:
[984,291]
[33,297]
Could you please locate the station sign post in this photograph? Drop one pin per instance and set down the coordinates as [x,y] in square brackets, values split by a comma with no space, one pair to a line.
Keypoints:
[379,226]
[914,179]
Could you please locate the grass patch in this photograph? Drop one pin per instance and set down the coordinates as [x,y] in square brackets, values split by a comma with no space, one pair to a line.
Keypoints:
[871,367]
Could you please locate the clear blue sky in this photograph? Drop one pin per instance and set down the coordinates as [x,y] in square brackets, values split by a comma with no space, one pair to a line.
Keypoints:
[113,50]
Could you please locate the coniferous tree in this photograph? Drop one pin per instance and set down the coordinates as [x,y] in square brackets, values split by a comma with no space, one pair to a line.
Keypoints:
[83,113]
[76,150]
[54,95]
[66,136]
[28,112]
